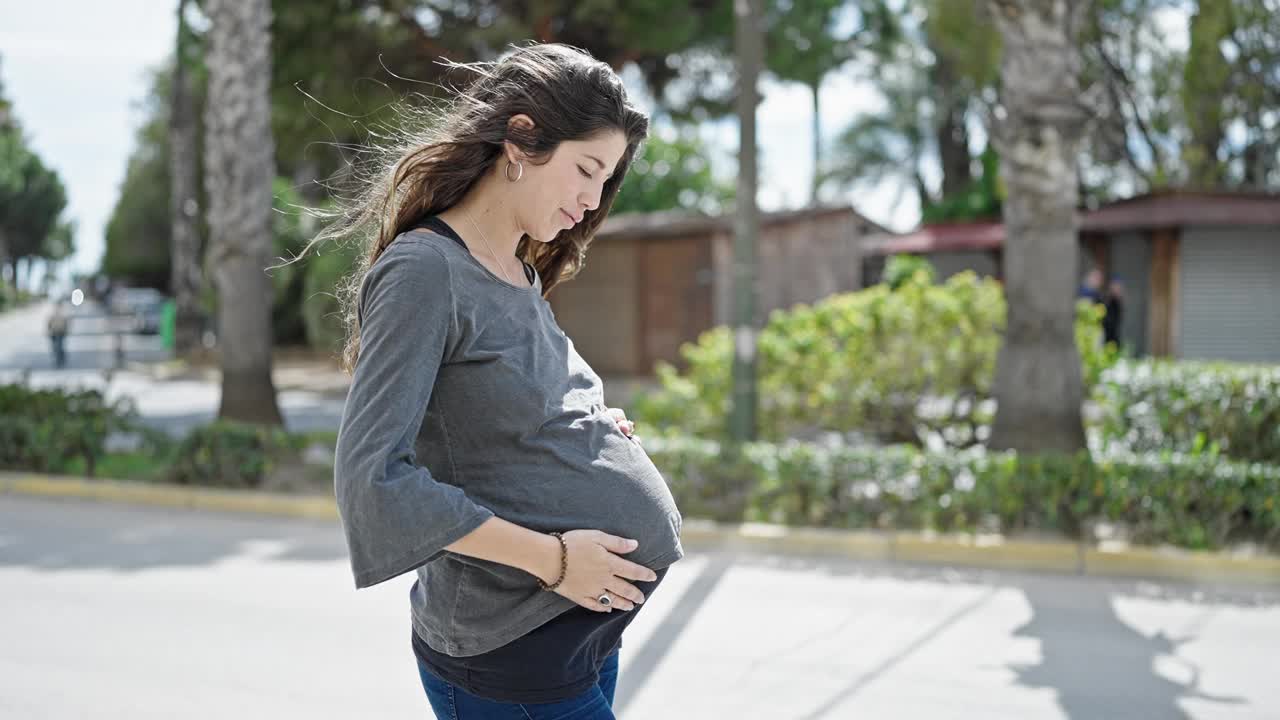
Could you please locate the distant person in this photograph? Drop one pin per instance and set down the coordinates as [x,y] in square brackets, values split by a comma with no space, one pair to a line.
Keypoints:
[1113,301]
[475,448]
[57,328]
[1091,288]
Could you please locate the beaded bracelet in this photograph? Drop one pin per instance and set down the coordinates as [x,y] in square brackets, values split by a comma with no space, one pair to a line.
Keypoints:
[564,564]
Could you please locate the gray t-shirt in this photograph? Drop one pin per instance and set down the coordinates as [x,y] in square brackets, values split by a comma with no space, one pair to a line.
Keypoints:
[468,401]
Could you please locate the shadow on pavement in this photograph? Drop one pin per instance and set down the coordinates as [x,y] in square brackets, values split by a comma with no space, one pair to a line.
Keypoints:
[659,644]
[1108,672]
[1104,672]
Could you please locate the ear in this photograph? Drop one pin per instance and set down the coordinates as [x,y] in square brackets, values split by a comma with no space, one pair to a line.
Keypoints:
[519,124]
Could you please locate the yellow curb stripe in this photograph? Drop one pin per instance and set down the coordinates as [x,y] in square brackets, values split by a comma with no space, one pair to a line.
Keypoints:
[861,545]
[1183,565]
[991,551]
[172,496]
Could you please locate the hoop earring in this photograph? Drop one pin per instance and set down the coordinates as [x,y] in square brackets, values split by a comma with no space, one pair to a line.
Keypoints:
[519,171]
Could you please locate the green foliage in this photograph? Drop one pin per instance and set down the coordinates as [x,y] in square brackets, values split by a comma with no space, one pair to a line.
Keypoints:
[1194,501]
[1226,89]
[320,309]
[982,199]
[900,269]
[138,235]
[1193,407]
[1096,357]
[142,465]
[932,62]
[32,199]
[902,365]
[289,224]
[672,174]
[54,430]
[231,454]
[801,41]
[962,38]
[889,145]
[357,59]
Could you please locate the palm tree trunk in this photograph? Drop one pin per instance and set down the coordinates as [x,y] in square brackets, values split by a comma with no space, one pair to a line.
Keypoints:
[950,133]
[816,90]
[4,255]
[239,167]
[185,272]
[1038,385]
[748,43]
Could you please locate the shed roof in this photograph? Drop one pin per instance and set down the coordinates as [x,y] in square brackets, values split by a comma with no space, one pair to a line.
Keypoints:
[680,222]
[1174,208]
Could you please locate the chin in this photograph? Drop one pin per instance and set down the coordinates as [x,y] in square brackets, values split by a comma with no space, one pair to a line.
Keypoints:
[549,237]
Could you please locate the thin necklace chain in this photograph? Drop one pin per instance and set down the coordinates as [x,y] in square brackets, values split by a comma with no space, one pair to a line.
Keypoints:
[492,254]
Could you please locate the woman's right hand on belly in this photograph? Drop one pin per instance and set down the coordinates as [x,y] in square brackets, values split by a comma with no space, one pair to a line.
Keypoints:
[594,567]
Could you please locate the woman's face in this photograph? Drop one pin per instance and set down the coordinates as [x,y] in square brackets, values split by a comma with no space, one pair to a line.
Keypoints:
[554,196]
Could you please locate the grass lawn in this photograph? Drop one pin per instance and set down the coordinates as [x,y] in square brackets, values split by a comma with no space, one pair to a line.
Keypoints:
[123,466]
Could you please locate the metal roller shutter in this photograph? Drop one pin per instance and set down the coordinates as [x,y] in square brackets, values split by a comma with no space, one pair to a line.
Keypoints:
[1229,294]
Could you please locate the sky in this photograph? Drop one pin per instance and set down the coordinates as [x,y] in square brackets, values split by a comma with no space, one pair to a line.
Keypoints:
[76,73]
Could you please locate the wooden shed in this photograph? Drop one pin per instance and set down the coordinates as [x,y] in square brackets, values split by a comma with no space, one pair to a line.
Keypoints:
[653,281]
[1201,270]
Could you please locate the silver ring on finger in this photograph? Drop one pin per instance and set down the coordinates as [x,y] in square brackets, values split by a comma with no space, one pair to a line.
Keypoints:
[604,599]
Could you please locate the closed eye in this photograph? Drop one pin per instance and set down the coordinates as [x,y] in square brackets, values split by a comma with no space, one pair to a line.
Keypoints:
[584,172]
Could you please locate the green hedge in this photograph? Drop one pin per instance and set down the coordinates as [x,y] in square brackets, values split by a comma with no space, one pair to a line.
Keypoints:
[231,454]
[66,431]
[1196,501]
[1192,406]
[862,362]
[49,430]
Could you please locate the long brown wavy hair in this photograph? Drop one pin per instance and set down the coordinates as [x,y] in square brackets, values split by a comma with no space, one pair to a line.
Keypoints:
[569,96]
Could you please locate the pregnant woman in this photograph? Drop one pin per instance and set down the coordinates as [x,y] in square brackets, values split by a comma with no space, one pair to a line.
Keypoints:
[476,448]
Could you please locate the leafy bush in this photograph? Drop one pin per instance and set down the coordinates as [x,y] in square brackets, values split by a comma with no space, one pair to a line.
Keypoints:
[289,224]
[49,430]
[1192,406]
[899,269]
[899,364]
[320,307]
[231,454]
[1196,501]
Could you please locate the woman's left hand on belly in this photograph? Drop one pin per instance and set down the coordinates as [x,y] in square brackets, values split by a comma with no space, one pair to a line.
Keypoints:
[627,427]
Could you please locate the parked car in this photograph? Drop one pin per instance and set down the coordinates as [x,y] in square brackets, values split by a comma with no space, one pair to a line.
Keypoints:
[142,306]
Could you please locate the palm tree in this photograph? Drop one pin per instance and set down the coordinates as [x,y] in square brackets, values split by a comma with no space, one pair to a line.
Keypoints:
[239,167]
[1038,385]
[185,273]
[932,75]
[891,144]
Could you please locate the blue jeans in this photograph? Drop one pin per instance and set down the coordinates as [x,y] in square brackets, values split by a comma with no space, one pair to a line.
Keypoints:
[453,703]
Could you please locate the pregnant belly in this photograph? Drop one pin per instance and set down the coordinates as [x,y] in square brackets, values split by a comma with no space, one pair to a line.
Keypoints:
[592,477]
[633,501]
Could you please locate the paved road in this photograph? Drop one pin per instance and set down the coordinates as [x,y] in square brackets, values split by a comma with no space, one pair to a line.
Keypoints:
[175,406]
[117,612]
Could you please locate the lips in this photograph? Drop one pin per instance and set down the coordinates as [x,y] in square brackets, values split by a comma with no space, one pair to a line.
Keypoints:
[572,219]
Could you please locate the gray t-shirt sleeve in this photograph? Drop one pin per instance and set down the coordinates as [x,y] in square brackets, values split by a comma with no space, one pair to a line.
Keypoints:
[396,516]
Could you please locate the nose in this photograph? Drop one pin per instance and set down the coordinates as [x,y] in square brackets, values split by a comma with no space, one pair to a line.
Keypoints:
[590,200]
